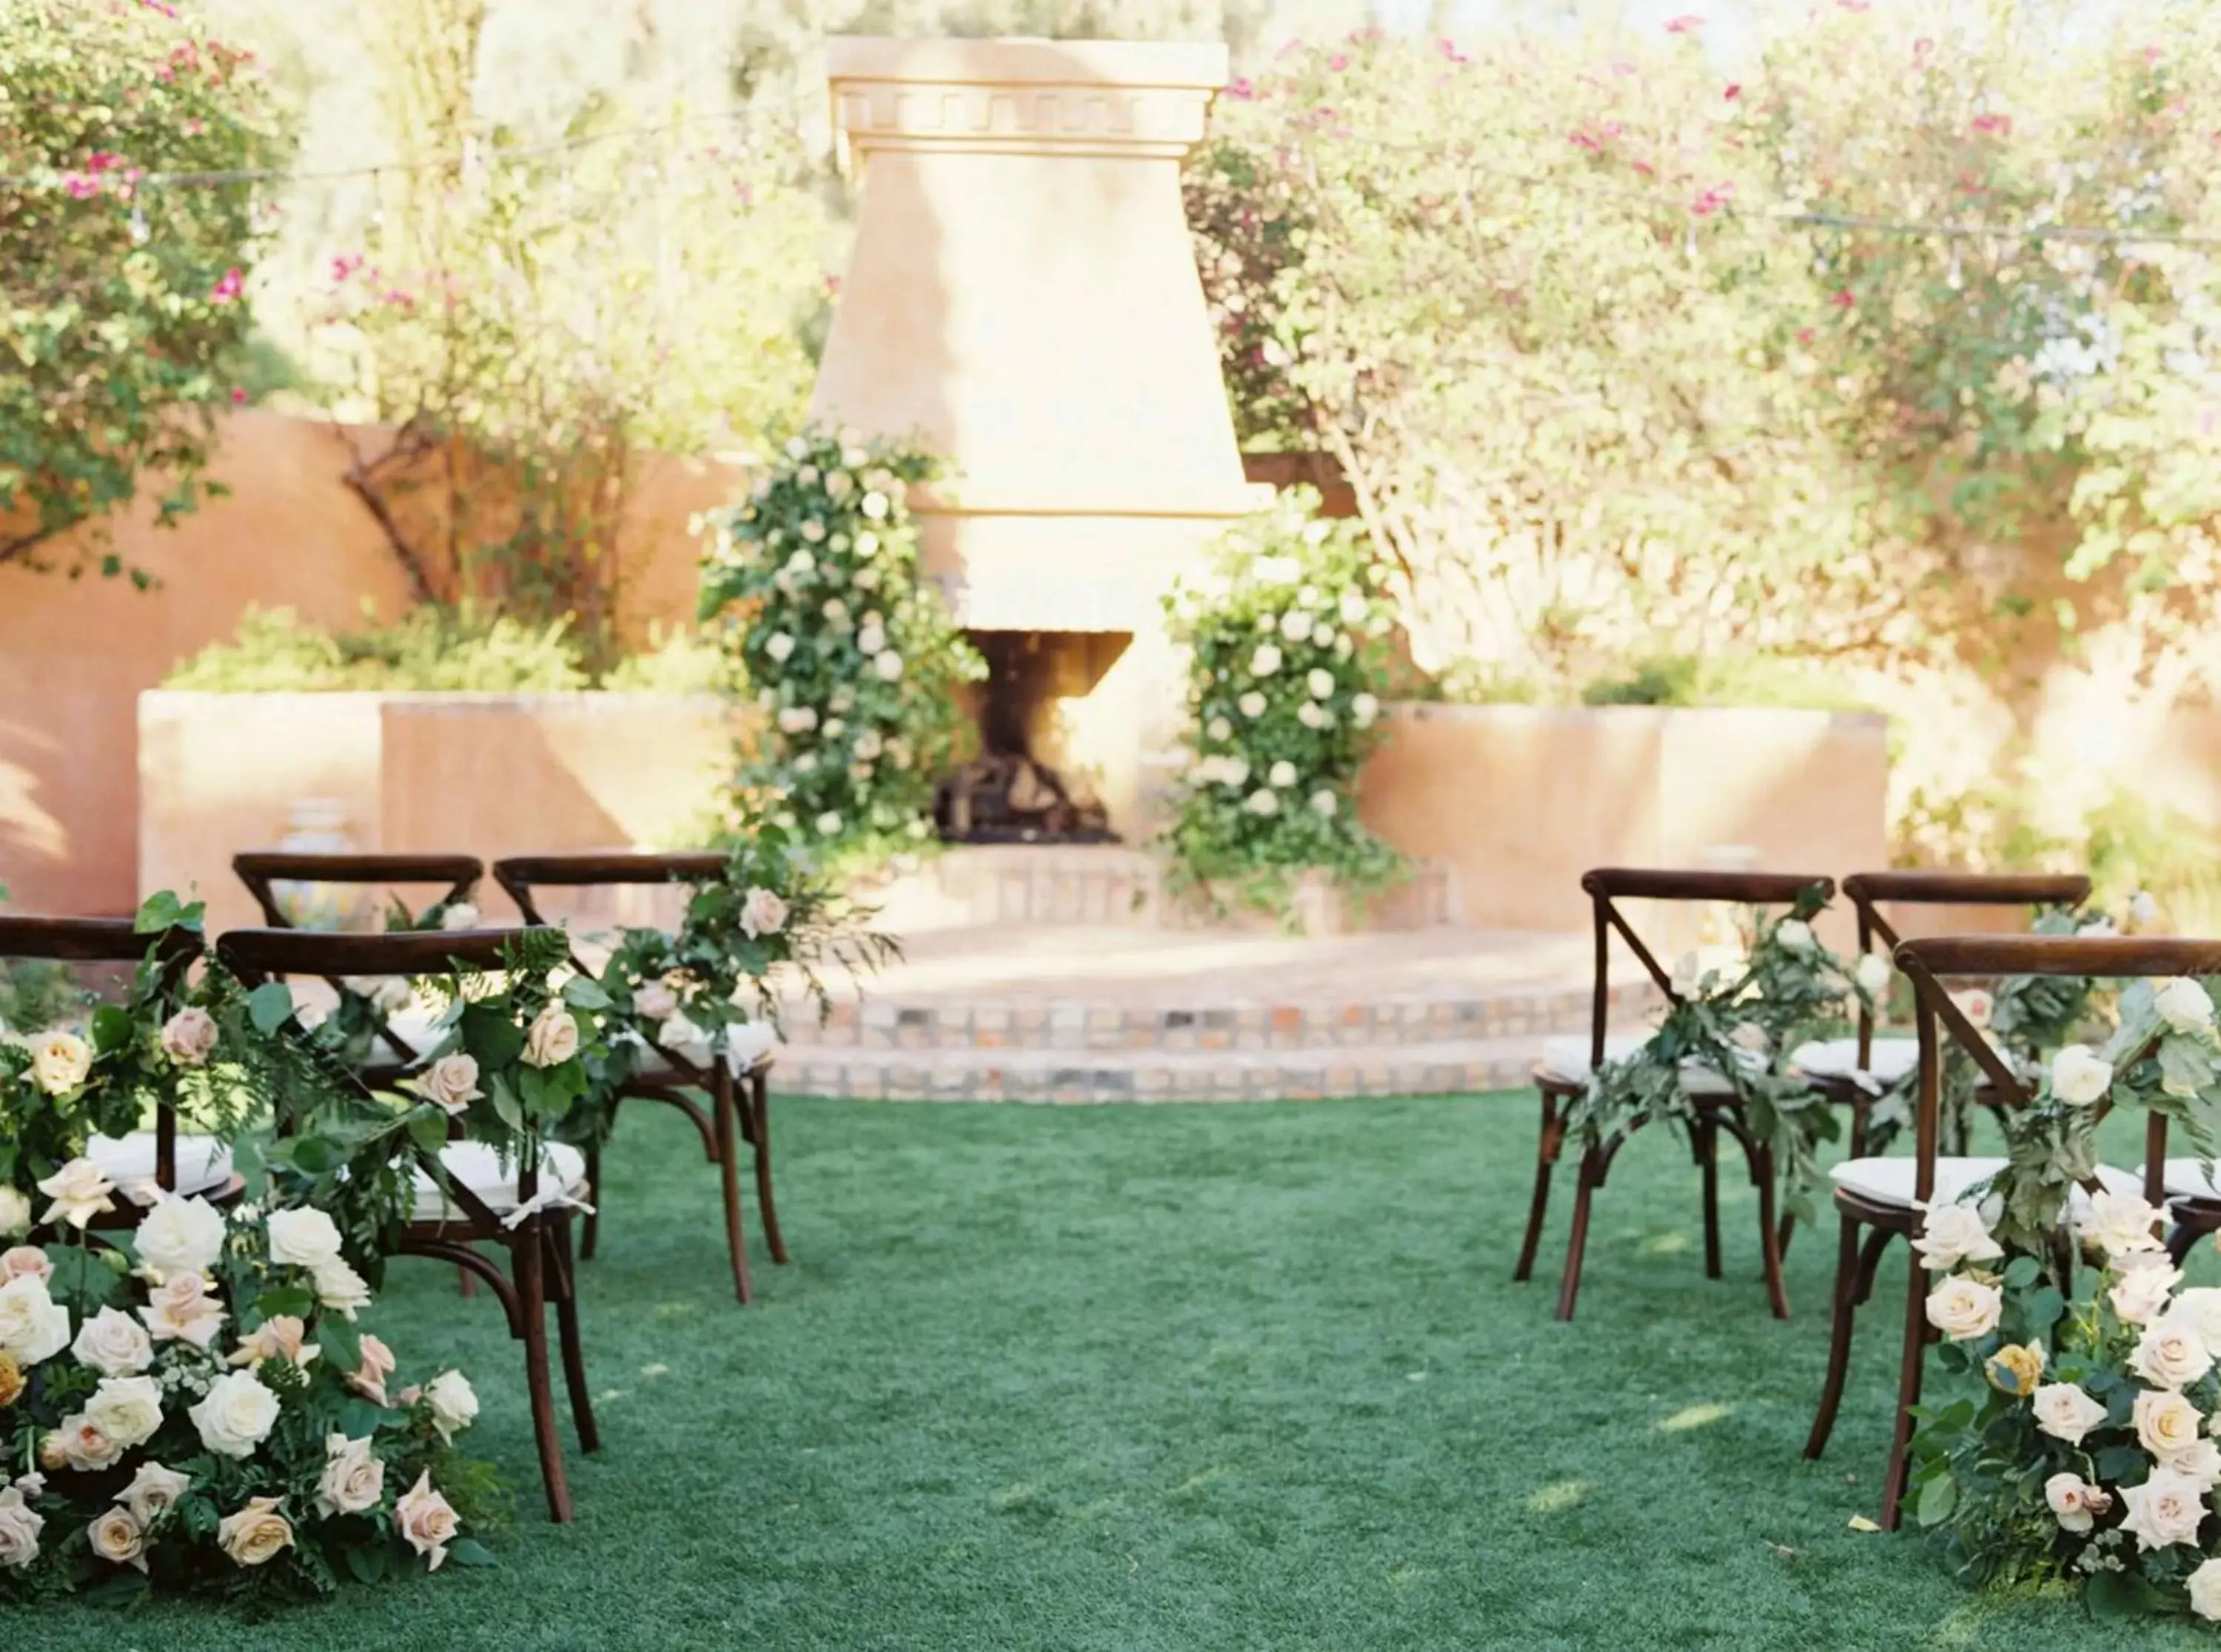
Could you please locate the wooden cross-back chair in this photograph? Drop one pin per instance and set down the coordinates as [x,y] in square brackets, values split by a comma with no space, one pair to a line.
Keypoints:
[473,1199]
[1566,1068]
[733,1116]
[1884,1195]
[189,1164]
[262,871]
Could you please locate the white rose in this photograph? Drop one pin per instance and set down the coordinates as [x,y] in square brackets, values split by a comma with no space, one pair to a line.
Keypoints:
[1324,804]
[1320,682]
[2171,1355]
[426,1521]
[114,1344]
[1263,801]
[1276,571]
[1352,608]
[829,824]
[453,1403]
[79,1193]
[180,1236]
[2165,1510]
[153,1491]
[552,1037]
[18,1260]
[2183,1005]
[2120,1223]
[651,1000]
[1795,935]
[1219,729]
[779,646]
[2205,1583]
[2143,909]
[254,1535]
[1252,704]
[1281,775]
[1953,1234]
[127,1409]
[762,912]
[2166,1422]
[451,1083]
[2078,1077]
[20,1525]
[339,1289]
[119,1538]
[59,1061]
[868,744]
[1264,660]
[2199,1308]
[353,1479]
[82,1445]
[796,448]
[460,915]
[889,665]
[1963,1308]
[303,1238]
[14,1213]
[1873,974]
[1311,714]
[33,1326]
[235,1415]
[183,1309]
[1296,625]
[2140,1293]
[1364,709]
[189,1037]
[798,719]
[2076,1502]
[813,531]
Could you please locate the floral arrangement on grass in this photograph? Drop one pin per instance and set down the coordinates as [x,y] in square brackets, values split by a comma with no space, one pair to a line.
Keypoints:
[199,1416]
[858,667]
[1738,1014]
[712,987]
[2086,1448]
[1288,632]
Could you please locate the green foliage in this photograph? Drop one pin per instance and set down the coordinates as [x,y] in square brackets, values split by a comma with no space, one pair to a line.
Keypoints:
[122,308]
[677,662]
[814,587]
[428,648]
[1725,680]
[1287,633]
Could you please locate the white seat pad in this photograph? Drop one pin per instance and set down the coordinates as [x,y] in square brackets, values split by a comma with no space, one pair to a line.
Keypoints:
[1567,1060]
[480,1167]
[1890,1060]
[2186,1179]
[1890,1181]
[204,1163]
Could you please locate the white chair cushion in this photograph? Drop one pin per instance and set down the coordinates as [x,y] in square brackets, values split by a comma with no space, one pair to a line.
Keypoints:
[1891,1059]
[480,1167]
[2186,1179]
[1890,1181]
[204,1163]
[1566,1059]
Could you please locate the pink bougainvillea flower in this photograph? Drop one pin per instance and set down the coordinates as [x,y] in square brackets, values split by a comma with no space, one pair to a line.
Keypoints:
[1644,167]
[1734,91]
[1688,24]
[1583,141]
[1623,68]
[1855,5]
[239,395]
[1240,89]
[101,160]
[1448,49]
[80,187]
[1338,62]
[1805,336]
[230,287]
[2001,125]
[1842,299]
[1713,199]
[345,265]
[1612,129]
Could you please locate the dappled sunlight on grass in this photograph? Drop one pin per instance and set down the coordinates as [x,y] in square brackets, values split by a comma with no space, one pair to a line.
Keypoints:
[1693,1417]
[1667,1244]
[1558,1496]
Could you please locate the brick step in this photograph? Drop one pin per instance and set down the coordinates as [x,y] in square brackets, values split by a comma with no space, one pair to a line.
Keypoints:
[1445,1067]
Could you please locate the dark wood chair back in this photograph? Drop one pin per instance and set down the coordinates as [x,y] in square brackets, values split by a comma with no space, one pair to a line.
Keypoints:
[1867,891]
[1932,961]
[1606,886]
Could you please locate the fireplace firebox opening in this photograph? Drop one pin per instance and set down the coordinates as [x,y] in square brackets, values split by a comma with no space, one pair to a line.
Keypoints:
[1029,784]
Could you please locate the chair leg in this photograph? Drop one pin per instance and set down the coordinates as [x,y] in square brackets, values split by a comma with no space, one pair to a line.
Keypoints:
[1547,1147]
[1577,1240]
[1908,1392]
[728,1176]
[592,1231]
[759,1097]
[465,1281]
[564,1280]
[1839,1340]
[1704,1138]
[1777,1288]
[529,1260]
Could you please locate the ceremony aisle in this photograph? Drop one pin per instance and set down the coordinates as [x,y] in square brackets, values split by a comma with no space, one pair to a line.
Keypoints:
[1177,1377]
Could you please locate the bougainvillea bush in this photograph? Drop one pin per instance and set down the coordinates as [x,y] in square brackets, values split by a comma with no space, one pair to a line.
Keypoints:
[123,295]
[860,670]
[1288,627]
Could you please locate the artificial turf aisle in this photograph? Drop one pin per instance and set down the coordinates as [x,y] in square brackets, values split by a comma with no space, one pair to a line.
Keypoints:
[1235,1376]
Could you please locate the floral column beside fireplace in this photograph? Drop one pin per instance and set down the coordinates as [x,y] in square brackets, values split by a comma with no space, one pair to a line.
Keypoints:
[1022,299]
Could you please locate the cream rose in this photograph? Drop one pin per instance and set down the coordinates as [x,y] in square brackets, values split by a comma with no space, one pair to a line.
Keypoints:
[303,1238]
[189,1037]
[2078,1077]
[653,1001]
[1963,1308]
[2171,1355]
[14,1213]
[460,915]
[25,1261]
[451,1083]
[2205,1586]
[2166,1422]
[762,912]
[553,1039]
[2199,1461]
[282,1337]
[59,1061]
[1873,974]
[2066,1413]
[235,1415]
[183,1309]
[2199,1307]
[2074,1501]
[368,1379]
[2163,1511]
[887,665]
[1324,804]
[20,1525]
[2141,1293]
[179,1236]
[1952,1234]
[2120,1223]
[353,1479]
[114,1344]
[254,1535]
[127,1409]
[33,1326]
[454,1402]
[118,1538]
[2184,1006]
[79,1193]
[154,1492]
[85,1446]
[1264,660]
[339,1289]
[1795,935]
[1281,775]
[779,646]
[427,1520]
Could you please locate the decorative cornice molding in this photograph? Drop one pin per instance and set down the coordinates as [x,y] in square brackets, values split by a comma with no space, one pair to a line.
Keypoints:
[1138,122]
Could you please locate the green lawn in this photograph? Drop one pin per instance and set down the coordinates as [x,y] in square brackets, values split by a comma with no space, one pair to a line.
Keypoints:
[1166,1377]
